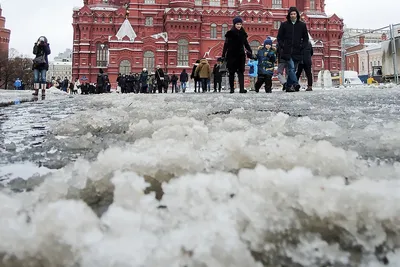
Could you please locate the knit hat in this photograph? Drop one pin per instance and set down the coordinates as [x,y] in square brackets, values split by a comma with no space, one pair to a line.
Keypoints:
[268,41]
[237,20]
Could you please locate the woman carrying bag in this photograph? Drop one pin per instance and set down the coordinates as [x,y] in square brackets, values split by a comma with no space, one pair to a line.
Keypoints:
[41,50]
[236,48]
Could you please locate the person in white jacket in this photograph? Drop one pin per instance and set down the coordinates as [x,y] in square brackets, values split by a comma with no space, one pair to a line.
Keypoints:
[77,87]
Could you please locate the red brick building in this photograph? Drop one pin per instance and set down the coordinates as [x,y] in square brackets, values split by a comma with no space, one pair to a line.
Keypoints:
[125,37]
[352,58]
[4,33]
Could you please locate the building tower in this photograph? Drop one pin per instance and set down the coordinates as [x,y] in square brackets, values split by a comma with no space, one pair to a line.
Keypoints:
[4,33]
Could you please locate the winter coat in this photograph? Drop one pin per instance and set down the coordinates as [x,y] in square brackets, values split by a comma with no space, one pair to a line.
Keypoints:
[144,77]
[234,49]
[307,54]
[160,77]
[203,70]
[266,60]
[184,77]
[193,74]
[40,50]
[100,80]
[217,74]
[174,78]
[253,71]
[292,38]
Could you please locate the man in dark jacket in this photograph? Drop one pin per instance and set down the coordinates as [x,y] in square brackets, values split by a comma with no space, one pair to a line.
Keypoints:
[184,77]
[100,82]
[174,82]
[292,38]
[217,76]
[306,66]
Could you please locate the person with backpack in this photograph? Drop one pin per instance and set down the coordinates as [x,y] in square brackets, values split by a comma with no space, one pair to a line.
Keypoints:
[41,50]
[203,71]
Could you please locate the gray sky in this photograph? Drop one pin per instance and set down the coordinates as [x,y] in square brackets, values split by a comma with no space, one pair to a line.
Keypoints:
[28,19]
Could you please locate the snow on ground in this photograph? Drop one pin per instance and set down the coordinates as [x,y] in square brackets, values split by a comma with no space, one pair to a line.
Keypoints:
[7,96]
[303,179]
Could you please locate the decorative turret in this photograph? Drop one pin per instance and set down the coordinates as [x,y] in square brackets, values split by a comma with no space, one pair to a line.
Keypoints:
[250,5]
[181,3]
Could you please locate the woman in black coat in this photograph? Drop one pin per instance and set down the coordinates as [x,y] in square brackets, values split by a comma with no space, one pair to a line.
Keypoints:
[235,49]
[41,50]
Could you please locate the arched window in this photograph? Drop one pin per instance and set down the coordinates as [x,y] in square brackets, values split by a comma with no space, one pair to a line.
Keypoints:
[213,31]
[148,60]
[101,55]
[224,30]
[231,3]
[183,53]
[198,2]
[254,46]
[125,67]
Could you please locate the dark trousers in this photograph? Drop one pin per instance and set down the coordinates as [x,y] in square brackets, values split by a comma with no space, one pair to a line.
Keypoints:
[203,84]
[261,79]
[240,74]
[197,83]
[160,86]
[307,70]
[174,87]
[217,84]
[143,89]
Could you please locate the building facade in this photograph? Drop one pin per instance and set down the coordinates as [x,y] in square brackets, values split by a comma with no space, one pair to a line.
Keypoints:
[4,33]
[369,57]
[121,37]
[66,56]
[59,69]
[61,66]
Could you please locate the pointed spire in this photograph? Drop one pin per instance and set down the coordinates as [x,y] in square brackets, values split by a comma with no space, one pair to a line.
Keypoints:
[126,30]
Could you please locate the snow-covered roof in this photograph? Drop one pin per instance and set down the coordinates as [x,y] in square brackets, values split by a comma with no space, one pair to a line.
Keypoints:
[372,47]
[126,30]
[321,16]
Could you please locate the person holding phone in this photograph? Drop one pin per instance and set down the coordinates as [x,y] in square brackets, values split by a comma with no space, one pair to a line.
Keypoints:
[41,50]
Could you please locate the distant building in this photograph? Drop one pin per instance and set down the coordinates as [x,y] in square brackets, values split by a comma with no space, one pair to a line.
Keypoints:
[61,66]
[66,56]
[370,36]
[4,33]
[60,69]
[369,57]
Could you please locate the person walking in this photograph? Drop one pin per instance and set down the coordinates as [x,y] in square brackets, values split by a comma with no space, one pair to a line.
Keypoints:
[292,38]
[236,47]
[306,65]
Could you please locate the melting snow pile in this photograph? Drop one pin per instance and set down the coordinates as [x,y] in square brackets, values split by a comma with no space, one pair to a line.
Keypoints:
[204,189]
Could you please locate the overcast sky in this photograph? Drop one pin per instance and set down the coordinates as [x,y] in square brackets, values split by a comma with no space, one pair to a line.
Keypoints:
[28,19]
